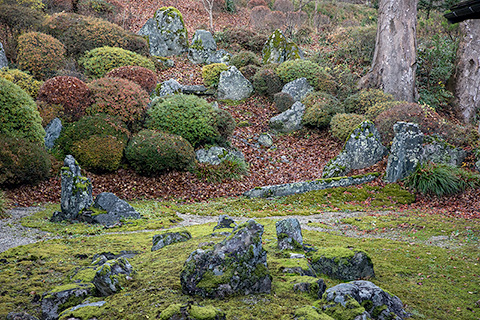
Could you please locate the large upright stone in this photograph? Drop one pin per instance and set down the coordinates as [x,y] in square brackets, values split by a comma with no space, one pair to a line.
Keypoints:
[406,152]
[362,149]
[202,47]
[437,150]
[3,57]
[237,265]
[298,89]
[52,132]
[290,120]
[166,33]
[107,278]
[233,85]
[289,234]
[278,49]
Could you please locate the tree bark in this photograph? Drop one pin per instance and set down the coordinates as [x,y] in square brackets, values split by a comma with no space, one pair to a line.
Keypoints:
[467,72]
[394,61]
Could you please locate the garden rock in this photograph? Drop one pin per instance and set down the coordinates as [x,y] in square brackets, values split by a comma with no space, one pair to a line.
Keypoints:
[224,221]
[379,304]
[106,279]
[298,89]
[289,234]
[97,304]
[406,152]
[237,265]
[278,49]
[100,258]
[3,57]
[362,149]
[202,46]
[194,89]
[265,140]
[166,33]
[52,132]
[316,288]
[290,120]
[57,300]
[20,315]
[219,56]
[343,264]
[109,210]
[216,155]
[191,312]
[439,151]
[233,85]
[169,88]
[165,239]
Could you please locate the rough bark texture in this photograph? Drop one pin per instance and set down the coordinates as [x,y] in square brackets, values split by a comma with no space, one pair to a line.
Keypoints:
[394,62]
[467,73]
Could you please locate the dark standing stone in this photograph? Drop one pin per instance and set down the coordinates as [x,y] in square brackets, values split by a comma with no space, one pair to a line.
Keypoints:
[165,239]
[52,132]
[20,315]
[278,49]
[436,150]
[317,288]
[106,279]
[289,234]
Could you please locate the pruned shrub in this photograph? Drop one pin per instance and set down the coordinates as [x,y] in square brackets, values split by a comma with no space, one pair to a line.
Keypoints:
[283,6]
[144,77]
[211,73]
[275,20]
[320,107]
[373,111]
[255,3]
[361,101]
[152,153]
[228,169]
[315,75]
[99,61]
[342,124]
[249,71]
[19,116]
[22,79]
[22,161]
[267,82]
[100,9]
[225,124]
[40,54]
[69,92]
[99,153]
[283,101]
[244,58]
[48,112]
[80,34]
[258,15]
[246,38]
[18,19]
[191,117]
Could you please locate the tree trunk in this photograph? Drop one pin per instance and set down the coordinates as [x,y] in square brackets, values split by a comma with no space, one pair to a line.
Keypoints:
[394,61]
[467,72]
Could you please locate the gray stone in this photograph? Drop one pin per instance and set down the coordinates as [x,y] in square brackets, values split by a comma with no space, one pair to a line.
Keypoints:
[106,279]
[3,57]
[237,265]
[166,33]
[60,298]
[317,288]
[289,234]
[362,149]
[219,56]
[265,140]
[20,315]
[278,49]
[375,300]
[100,258]
[52,132]
[233,85]
[406,152]
[477,164]
[165,239]
[169,88]
[224,221]
[215,155]
[194,89]
[97,304]
[290,120]
[298,89]
[202,47]
[110,210]
[343,264]
[436,150]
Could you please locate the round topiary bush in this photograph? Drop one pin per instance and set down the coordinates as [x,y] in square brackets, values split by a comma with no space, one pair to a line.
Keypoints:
[267,82]
[151,152]
[22,161]
[48,111]
[249,71]
[18,18]
[144,77]
[373,111]
[225,124]
[19,116]
[99,153]
[40,54]
[211,73]
[23,80]
[320,107]
[283,101]
[191,117]
[119,97]
[342,124]
[361,101]
[99,61]
[69,92]
[315,75]
[244,58]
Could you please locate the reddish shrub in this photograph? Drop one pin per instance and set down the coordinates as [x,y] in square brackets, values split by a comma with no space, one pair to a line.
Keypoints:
[70,92]
[275,20]
[144,77]
[255,3]
[99,153]
[283,6]
[257,17]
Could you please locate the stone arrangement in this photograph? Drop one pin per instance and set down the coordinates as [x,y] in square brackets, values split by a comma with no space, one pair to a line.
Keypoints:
[233,85]
[278,49]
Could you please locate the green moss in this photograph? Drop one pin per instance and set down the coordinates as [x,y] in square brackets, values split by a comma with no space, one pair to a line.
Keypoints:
[337,253]
[350,311]
[170,311]
[84,275]
[88,312]
[310,313]
[203,313]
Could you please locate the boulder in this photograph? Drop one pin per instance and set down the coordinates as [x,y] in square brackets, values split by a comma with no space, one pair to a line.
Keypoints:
[362,149]
[219,56]
[165,239]
[233,85]
[224,221]
[20,315]
[169,88]
[107,277]
[216,155]
[65,314]
[108,210]
[377,303]
[278,49]
[344,264]
[406,152]
[316,287]
[289,234]
[195,89]
[99,259]
[437,150]
[265,140]
[237,265]
[191,312]
[202,47]
[290,120]
[166,33]
[63,297]
[3,57]
[298,89]
[52,132]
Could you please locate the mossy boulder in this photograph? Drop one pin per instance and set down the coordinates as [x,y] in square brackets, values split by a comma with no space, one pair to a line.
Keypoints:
[165,239]
[108,279]
[63,297]
[289,234]
[202,46]
[278,49]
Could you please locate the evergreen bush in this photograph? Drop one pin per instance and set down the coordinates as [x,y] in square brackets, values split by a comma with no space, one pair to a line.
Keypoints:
[99,153]
[144,77]
[315,75]
[48,112]
[244,58]
[22,79]
[364,99]
[283,101]
[267,82]
[342,124]
[18,19]
[211,73]
[320,107]
[228,169]
[374,110]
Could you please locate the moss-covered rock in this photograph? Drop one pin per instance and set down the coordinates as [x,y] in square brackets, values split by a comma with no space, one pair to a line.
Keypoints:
[63,297]
[278,49]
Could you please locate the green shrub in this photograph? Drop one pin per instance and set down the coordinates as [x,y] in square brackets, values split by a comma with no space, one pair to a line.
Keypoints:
[119,97]
[48,112]
[23,80]
[267,82]
[244,58]
[374,110]
[3,204]
[225,124]
[99,61]
[243,37]
[100,9]
[229,169]
[320,107]
[361,101]
[211,73]
[315,75]
[151,153]
[144,77]
[40,54]
[22,161]
[19,116]
[283,101]
[80,34]
[99,153]
[191,117]
[342,124]
[441,179]
[18,19]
